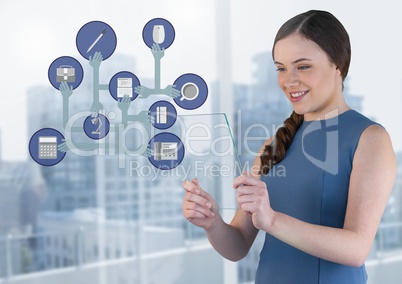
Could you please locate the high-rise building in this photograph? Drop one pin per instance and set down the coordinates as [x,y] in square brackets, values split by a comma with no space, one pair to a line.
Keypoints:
[1,157]
[124,187]
[14,179]
[390,231]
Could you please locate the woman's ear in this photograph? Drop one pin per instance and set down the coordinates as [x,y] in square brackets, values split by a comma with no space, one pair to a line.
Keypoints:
[338,71]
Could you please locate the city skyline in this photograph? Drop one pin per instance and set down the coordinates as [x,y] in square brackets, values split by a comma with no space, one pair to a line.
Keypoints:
[88,219]
[68,187]
[36,44]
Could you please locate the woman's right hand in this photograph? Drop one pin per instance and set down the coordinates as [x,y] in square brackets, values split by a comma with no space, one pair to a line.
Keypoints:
[198,206]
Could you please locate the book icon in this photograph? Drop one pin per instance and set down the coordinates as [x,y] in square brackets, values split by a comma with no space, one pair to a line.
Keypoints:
[124,87]
[161,114]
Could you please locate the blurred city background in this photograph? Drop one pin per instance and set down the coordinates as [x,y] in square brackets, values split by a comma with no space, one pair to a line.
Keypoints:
[87,220]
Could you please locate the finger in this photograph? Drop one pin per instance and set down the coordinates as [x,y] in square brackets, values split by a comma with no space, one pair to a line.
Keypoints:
[198,208]
[195,181]
[198,200]
[247,190]
[245,180]
[248,207]
[62,148]
[246,198]
[205,194]
[150,152]
[191,214]
[191,187]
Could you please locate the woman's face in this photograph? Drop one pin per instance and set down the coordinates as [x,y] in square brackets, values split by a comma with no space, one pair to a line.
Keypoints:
[310,81]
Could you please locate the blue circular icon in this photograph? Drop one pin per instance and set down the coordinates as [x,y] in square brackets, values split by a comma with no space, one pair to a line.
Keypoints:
[123,84]
[43,147]
[168,151]
[158,31]
[193,90]
[96,36]
[164,113]
[96,127]
[65,69]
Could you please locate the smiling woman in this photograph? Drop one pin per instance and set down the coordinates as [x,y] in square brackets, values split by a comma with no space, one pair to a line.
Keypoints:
[312,75]
[312,65]
[321,218]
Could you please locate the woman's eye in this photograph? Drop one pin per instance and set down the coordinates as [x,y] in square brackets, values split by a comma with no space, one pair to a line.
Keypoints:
[280,69]
[304,67]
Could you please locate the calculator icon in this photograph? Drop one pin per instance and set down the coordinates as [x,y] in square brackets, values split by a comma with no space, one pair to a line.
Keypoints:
[47,147]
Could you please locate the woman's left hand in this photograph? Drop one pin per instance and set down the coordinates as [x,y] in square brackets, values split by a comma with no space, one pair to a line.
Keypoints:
[252,197]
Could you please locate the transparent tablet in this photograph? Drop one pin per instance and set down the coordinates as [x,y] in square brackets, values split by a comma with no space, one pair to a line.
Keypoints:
[211,154]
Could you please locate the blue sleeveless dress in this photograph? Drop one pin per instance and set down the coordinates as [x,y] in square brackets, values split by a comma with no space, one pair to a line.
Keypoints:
[311,184]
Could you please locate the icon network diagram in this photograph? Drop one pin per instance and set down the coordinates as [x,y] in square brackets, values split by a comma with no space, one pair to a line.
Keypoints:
[96,41]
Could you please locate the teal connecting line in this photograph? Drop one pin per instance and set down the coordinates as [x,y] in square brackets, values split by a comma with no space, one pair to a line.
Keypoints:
[142,117]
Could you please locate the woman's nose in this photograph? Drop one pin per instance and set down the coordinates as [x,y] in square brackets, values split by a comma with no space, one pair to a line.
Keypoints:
[291,80]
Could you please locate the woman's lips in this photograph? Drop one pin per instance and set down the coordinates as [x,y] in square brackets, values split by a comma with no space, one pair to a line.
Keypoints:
[297,96]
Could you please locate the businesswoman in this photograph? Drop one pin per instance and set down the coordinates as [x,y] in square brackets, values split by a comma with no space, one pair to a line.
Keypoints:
[320,218]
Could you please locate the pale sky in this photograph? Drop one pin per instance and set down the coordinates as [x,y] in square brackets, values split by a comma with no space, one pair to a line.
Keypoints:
[34,33]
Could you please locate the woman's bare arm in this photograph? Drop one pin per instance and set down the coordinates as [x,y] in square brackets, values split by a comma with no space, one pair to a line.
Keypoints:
[371,181]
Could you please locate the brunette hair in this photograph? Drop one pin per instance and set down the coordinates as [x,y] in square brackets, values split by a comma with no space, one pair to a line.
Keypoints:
[330,35]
